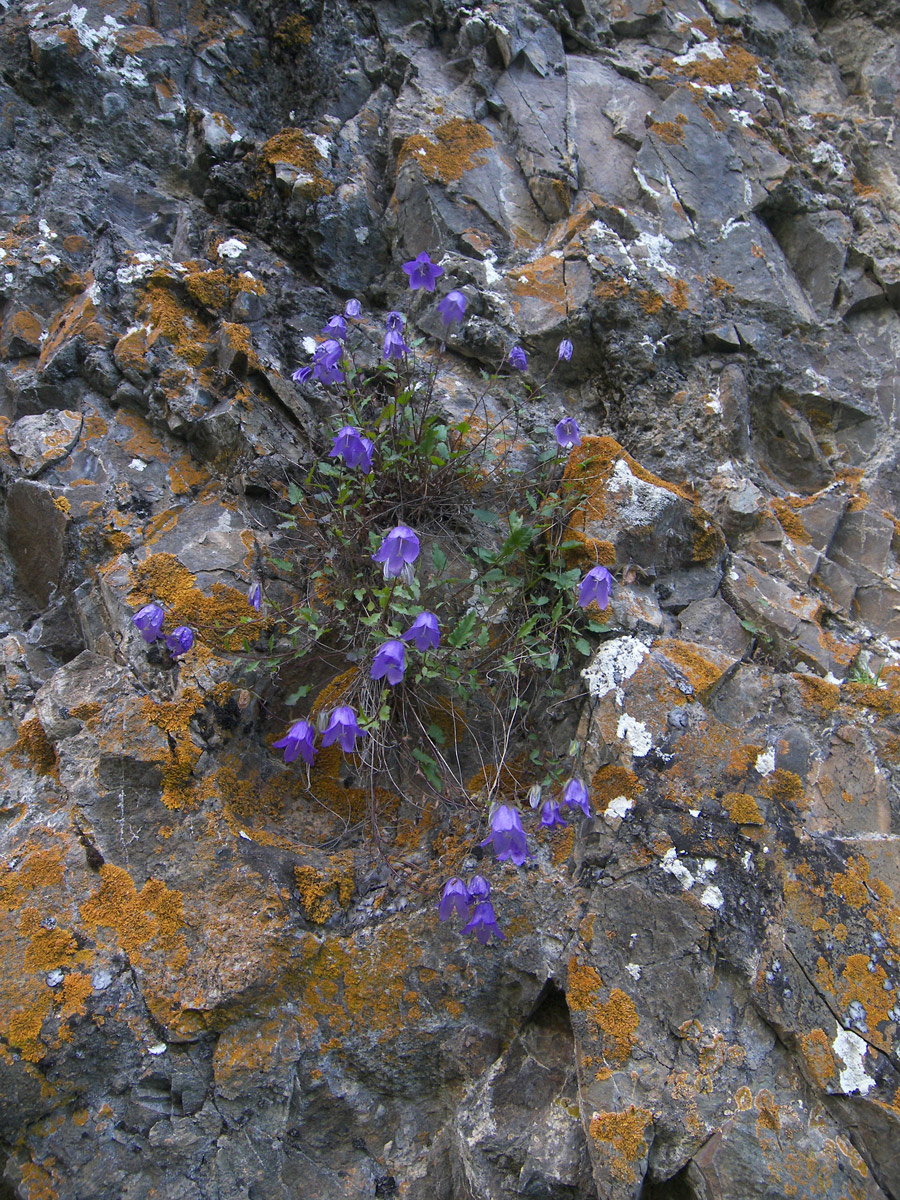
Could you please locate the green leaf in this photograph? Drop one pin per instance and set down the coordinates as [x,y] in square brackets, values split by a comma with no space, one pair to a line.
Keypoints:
[302,691]
[486,516]
[463,630]
[438,558]
[429,767]
[295,494]
[282,564]
[436,734]
[583,646]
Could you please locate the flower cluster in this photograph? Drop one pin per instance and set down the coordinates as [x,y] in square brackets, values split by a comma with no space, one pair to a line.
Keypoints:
[340,726]
[458,898]
[149,621]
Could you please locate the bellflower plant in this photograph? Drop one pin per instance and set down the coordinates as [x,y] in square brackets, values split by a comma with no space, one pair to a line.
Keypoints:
[399,547]
[507,835]
[452,308]
[353,448]
[550,815]
[484,923]
[424,633]
[150,620]
[455,899]
[568,434]
[179,641]
[565,351]
[575,795]
[390,662]
[518,359]
[254,596]
[422,272]
[479,889]
[394,320]
[336,327]
[299,739]
[595,588]
[394,345]
[353,309]
[343,728]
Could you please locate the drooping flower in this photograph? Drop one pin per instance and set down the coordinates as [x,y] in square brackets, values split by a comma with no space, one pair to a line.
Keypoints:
[567,433]
[455,899]
[353,448]
[507,835]
[479,889]
[179,641]
[325,362]
[575,795]
[550,815]
[336,327]
[343,728]
[390,662]
[422,272]
[399,547]
[565,351]
[534,795]
[595,588]
[299,739]
[394,320]
[394,345]
[149,621]
[518,359]
[452,307]
[255,595]
[302,375]
[484,923]
[352,309]
[424,632]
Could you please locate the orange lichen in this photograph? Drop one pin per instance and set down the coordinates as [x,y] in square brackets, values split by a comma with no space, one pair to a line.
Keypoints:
[819,695]
[742,808]
[789,521]
[32,748]
[153,915]
[324,892]
[225,619]
[293,32]
[294,148]
[736,66]
[699,671]
[623,1133]
[167,317]
[852,885]
[817,1056]
[618,1020]
[544,279]
[457,149]
[784,787]
[610,782]
[583,986]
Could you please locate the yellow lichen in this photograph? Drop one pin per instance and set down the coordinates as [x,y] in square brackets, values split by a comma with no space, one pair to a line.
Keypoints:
[817,1056]
[457,149]
[742,808]
[623,1133]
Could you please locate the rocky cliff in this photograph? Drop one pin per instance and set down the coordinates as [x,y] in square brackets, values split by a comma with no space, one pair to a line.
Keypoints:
[213,982]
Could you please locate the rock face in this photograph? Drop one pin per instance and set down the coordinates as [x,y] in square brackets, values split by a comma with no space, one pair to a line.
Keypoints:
[213,983]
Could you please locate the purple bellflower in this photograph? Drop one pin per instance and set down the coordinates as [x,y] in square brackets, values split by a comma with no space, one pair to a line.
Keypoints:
[353,448]
[565,351]
[390,662]
[452,307]
[595,588]
[325,362]
[484,923]
[550,815]
[575,795]
[399,547]
[336,328]
[302,375]
[179,641]
[394,320]
[422,272]
[254,596]
[343,728]
[567,433]
[394,345]
[455,899]
[518,359]
[149,621]
[507,835]
[424,633]
[299,739]
[479,889]
[353,309]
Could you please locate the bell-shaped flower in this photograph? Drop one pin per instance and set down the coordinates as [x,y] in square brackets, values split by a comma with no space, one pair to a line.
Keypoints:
[390,662]
[150,620]
[484,923]
[399,547]
[422,272]
[534,795]
[353,448]
[507,835]
[595,588]
[394,320]
[565,351]
[343,728]
[479,889]
[550,815]
[424,633]
[452,307]
[302,375]
[353,309]
[455,899]
[575,795]
[336,327]
[179,641]
[567,433]
[394,345]
[325,362]
[518,359]
[254,596]
[299,739]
